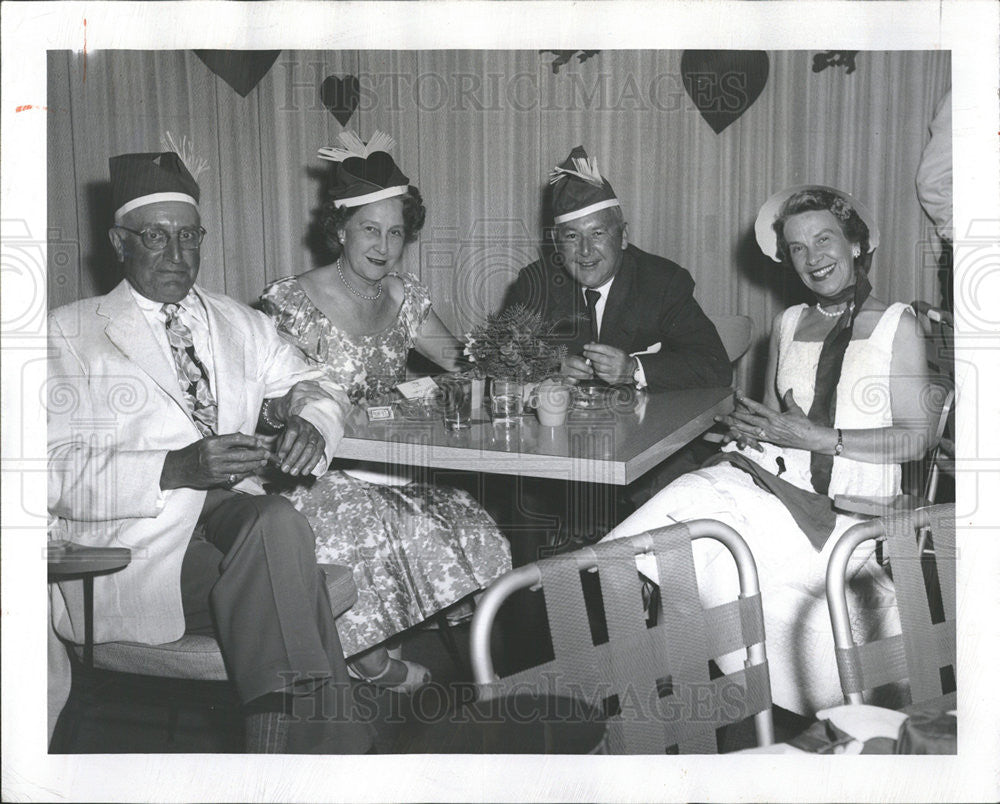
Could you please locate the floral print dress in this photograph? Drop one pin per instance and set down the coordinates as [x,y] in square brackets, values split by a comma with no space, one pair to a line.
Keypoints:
[415,549]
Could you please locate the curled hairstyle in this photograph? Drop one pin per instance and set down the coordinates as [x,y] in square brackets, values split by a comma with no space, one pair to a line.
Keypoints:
[814,200]
[333,219]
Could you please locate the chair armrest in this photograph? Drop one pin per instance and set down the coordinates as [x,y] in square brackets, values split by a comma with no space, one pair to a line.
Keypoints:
[876,506]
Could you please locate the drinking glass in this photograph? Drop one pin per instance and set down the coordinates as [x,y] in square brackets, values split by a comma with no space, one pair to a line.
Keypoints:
[456,393]
[506,402]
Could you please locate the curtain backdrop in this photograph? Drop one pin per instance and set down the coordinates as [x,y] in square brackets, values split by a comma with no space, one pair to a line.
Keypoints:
[478,131]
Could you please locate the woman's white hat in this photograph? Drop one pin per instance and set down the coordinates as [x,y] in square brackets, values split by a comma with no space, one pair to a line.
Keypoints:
[769,211]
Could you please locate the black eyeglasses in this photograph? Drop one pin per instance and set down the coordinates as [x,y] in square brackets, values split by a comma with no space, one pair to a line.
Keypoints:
[156,239]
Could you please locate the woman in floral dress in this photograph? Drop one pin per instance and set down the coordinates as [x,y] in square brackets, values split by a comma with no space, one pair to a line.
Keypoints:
[416,548]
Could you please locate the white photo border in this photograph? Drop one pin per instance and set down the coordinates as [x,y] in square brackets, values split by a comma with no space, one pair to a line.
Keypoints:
[968,29]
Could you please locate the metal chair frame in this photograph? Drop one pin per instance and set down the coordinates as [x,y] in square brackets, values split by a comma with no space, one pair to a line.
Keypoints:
[589,558]
[901,652]
[938,327]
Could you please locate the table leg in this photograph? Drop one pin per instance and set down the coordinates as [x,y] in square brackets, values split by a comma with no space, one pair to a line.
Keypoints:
[88,621]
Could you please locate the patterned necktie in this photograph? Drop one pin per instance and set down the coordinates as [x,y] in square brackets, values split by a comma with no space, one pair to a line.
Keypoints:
[191,372]
[592,298]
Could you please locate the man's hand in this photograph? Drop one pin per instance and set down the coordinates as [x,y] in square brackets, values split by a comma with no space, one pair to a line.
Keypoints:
[575,368]
[611,364]
[300,447]
[216,461]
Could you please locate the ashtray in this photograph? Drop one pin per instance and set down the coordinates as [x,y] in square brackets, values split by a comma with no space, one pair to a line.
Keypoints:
[589,395]
[423,409]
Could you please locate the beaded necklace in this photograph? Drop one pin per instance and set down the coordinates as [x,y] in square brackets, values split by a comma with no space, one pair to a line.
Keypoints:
[358,293]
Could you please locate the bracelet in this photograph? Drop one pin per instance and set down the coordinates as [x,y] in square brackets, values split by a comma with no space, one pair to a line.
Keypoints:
[269,421]
[837,450]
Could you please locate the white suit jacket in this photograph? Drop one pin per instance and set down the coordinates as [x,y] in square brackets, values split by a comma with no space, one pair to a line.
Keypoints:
[114,411]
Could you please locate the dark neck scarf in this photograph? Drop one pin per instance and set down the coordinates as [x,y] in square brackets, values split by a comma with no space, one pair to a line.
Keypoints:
[831,361]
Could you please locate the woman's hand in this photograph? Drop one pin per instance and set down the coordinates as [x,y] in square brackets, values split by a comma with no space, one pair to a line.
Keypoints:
[300,395]
[741,438]
[790,428]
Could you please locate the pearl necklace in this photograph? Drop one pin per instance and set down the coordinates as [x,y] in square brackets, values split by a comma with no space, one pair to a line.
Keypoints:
[356,292]
[833,315]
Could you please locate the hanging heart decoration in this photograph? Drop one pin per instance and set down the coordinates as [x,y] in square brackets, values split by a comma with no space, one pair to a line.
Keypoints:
[341,96]
[723,84]
[241,69]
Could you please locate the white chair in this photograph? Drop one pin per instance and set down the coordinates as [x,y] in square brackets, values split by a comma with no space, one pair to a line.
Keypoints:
[924,579]
[651,681]
[736,332]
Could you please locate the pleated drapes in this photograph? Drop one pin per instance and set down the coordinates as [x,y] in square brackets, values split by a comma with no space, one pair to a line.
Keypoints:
[478,131]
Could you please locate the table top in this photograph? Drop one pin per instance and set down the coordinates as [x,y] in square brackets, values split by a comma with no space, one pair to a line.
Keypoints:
[69,559]
[613,445]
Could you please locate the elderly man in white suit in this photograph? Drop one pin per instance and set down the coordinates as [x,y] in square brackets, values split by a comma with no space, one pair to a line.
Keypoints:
[159,393]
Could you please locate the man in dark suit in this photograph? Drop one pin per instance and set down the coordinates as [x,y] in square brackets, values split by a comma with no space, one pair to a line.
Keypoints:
[628,317]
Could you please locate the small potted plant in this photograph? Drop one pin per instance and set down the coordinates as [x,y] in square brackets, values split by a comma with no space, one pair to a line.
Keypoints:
[514,349]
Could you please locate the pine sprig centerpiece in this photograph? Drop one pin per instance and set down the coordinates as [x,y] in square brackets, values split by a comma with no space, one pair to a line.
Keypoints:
[515,344]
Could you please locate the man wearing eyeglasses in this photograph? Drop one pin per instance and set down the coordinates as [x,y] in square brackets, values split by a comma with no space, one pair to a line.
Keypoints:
[171,391]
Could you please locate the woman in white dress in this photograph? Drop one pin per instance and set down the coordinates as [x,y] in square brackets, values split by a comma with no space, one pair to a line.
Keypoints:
[847,399]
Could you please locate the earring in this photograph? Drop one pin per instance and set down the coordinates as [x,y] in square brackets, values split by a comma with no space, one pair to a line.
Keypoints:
[856,251]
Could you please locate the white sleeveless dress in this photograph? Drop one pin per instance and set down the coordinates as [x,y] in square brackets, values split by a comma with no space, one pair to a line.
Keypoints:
[799,639]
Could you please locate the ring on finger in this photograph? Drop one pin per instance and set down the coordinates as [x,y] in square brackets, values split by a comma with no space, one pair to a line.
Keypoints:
[760,432]
[232,479]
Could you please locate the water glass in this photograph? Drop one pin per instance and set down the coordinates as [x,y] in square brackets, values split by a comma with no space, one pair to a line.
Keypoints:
[506,402]
[456,396]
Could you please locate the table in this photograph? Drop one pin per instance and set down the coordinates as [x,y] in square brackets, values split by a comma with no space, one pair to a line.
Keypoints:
[613,446]
[68,560]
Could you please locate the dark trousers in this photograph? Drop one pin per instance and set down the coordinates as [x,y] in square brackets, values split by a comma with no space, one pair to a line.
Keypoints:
[685,460]
[250,579]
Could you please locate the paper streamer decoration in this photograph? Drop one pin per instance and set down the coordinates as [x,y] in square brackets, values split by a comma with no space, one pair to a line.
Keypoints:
[723,84]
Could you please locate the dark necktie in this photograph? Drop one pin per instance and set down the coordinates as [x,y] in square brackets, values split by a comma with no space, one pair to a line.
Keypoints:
[191,372]
[823,410]
[592,297]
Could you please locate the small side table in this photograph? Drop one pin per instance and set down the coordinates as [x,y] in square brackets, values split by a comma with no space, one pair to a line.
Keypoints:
[69,561]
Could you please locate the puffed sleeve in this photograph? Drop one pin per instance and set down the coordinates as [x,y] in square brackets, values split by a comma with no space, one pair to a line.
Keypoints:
[416,305]
[294,316]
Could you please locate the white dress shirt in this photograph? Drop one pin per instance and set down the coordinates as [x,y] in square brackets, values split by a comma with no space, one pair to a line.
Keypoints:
[192,314]
[602,302]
